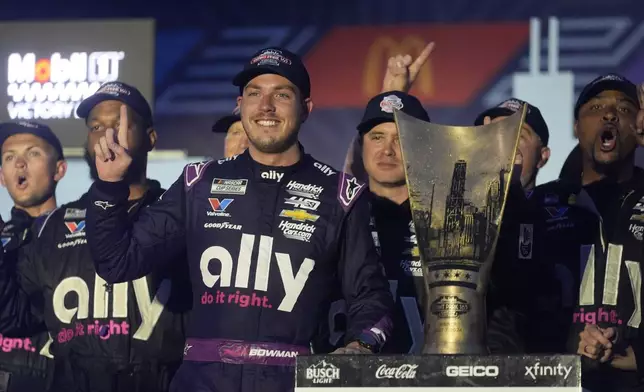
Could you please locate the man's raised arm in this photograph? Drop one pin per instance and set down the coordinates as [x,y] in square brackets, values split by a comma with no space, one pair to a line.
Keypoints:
[125,250]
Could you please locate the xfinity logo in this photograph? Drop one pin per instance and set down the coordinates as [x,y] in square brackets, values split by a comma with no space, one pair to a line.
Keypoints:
[542,371]
[472,371]
[324,169]
[272,175]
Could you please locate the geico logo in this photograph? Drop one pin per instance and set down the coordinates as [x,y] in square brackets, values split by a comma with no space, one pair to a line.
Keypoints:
[472,371]
[301,202]
[150,310]
[293,283]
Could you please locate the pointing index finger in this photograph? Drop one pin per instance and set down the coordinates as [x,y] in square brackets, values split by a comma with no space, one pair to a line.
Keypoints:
[422,58]
[123,127]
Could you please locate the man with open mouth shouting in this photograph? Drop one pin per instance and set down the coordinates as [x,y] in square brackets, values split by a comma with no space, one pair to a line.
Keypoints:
[609,307]
[32,165]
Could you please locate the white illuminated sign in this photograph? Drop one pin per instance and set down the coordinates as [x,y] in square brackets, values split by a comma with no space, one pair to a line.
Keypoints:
[53,87]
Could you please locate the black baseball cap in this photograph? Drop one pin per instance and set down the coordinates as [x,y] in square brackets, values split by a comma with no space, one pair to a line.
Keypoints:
[42,131]
[222,125]
[117,91]
[510,106]
[275,60]
[380,109]
[610,81]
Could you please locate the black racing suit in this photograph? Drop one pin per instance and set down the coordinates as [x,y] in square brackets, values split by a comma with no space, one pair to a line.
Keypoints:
[25,362]
[107,337]
[577,258]
[267,249]
[394,234]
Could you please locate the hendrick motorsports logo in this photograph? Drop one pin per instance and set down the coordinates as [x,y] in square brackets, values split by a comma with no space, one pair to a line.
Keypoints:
[323,373]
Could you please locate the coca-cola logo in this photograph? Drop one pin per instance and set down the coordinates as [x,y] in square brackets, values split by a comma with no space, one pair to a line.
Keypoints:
[403,372]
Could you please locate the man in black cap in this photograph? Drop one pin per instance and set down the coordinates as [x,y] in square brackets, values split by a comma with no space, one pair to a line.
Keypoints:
[533,220]
[590,307]
[392,226]
[607,126]
[32,164]
[270,235]
[533,152]
[235,140]
[394,233]
[110,338]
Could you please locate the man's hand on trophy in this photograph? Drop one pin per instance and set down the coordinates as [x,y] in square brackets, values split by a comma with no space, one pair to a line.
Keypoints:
[639,124]
[402,70]
[597,343]
[353,348]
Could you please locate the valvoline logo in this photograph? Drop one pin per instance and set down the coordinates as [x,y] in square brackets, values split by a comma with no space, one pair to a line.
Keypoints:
[220,205]
[74,227]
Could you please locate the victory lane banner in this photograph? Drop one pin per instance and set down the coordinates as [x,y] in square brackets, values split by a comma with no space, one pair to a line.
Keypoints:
[448,373]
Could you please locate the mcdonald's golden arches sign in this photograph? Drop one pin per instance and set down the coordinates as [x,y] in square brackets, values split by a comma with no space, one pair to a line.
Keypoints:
[348,65]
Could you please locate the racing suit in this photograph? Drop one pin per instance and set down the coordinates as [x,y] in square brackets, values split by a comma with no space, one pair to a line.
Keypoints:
[25,363]
[122,337]
[267,249]
[579,249]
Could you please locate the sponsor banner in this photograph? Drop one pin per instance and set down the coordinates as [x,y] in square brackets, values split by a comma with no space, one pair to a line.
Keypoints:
[439,373]
[48,68]
[447,79]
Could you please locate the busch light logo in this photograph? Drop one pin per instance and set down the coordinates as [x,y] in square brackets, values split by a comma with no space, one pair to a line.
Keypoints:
[323,373]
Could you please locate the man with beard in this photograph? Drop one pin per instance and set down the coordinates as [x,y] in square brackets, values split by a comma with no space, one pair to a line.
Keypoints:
[107,337]
[271,235]
[31,166]
[235,141]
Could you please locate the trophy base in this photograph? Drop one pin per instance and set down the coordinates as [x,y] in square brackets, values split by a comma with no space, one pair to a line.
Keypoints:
[434,373]
[450,348]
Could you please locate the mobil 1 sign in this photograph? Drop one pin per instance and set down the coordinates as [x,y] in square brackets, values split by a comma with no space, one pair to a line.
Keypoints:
[434,373]
[48,68]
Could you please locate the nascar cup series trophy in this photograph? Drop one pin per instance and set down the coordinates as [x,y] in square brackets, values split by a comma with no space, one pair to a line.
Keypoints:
[458,180]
